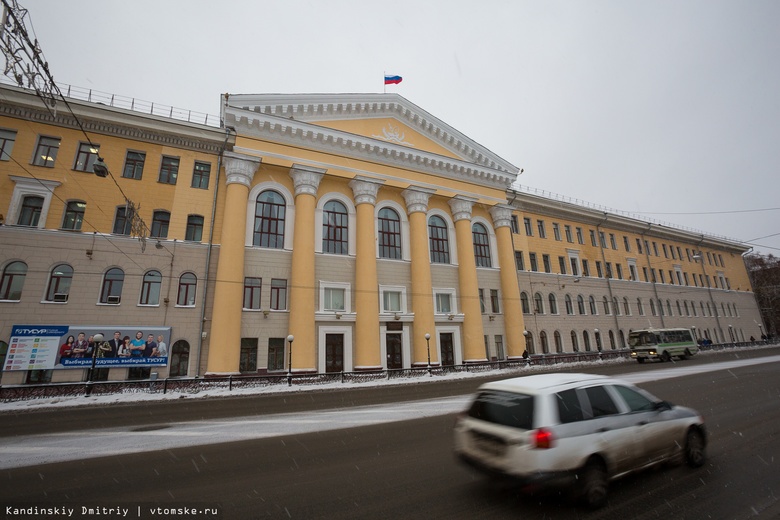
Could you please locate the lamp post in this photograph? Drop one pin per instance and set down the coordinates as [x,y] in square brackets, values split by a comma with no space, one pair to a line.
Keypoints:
[526,354]
[290,339]
[428,343]
[97,339]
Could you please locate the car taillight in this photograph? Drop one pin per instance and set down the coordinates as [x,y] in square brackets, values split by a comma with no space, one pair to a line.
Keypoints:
[543,439]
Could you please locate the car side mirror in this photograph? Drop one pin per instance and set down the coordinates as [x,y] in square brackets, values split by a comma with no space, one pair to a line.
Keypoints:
[662,406]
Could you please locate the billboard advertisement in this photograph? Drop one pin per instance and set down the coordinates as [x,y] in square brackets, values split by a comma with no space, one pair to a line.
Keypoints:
[46,347]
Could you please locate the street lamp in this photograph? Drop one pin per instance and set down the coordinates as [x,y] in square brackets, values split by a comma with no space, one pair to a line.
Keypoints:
[97,339]
[290,339]
[526,354]
[428,343]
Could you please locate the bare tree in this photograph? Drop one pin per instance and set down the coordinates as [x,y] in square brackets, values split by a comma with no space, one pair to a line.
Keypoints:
[764,274]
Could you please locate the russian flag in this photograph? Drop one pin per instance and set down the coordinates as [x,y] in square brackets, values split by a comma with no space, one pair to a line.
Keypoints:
[393,80]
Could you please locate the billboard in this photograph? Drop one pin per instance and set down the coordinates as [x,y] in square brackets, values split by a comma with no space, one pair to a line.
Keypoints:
[46,347]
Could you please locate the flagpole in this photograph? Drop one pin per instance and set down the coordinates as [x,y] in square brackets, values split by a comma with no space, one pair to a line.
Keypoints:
[384,84]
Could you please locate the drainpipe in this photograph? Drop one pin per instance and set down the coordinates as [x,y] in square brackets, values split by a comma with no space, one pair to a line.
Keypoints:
[228,130]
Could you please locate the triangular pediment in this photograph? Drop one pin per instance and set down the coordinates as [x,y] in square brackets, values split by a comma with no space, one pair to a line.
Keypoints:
[376,126]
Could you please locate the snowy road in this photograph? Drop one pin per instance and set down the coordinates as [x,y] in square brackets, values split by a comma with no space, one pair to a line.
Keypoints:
[60,447]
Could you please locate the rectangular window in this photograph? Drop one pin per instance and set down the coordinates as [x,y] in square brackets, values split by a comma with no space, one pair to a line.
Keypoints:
[580,238]
[612,241]
[252,293]
[619,269]
[248,360]
[674,255]
[608,266]
[666,250]
[519,261]
[494,301]
[169,170]
[562,264]
[593,238]
[655,249]
[532,259]
[200,175]
[74,215]
[585,268]
[644,272]
[557,231]
[626,244]
[443,303]
[546,262]
[123,221]
[567,231]
[661,273]
[515,225]
[599,271]
[275,354]
[632,272]
[574,270]
[499,346]
[86,156]
[542,231]
[134,165]
[481,293]
[528,229]
[639,246]
[278,294]
[334,300]
[194,231]
[391,301]
[46,151]
[603,240]
[7,140]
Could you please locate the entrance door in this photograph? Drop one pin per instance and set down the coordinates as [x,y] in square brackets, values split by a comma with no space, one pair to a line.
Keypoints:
[447,349]
[334,352]
[393,344]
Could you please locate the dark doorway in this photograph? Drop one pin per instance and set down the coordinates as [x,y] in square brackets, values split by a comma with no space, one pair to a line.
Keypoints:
[393,344]
[334,352]
[447,349]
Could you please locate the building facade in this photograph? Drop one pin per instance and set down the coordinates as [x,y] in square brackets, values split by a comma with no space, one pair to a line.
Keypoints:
[364,229]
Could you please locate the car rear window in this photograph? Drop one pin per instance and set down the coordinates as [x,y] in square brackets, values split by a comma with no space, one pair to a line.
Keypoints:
[505,408]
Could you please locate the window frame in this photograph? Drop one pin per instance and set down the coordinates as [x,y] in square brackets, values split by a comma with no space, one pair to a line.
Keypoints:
[136,172]
[187,286]
[169,170]
[47,160]
[86,155]
[10,280]
[199,175]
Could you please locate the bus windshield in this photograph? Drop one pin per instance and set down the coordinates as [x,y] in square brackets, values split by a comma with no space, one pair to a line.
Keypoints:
[641,339]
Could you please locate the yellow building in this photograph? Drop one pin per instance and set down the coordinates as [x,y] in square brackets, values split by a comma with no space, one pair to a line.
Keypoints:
[362,228]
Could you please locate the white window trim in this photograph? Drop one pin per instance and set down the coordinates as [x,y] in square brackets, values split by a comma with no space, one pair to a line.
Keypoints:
[492,243]
[331,329]
[406,345]
[456,344]
[453,302]
[289,214]
[405,233]
[347,314]
[451,238]
[351,222]
[27,186]
[386,314]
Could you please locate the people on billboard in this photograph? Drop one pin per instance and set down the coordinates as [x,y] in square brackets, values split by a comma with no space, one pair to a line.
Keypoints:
[124,348]
[162,348]
[80,346]
[151,346]
[114,345]
[137,345]
[66,349]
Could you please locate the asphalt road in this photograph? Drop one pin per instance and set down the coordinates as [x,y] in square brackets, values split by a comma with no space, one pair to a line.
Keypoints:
[399,469]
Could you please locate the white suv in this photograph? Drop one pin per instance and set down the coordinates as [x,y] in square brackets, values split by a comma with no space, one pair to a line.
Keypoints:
[581,430]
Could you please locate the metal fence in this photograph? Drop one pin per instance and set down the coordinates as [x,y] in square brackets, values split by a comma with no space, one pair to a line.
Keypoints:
[201,384]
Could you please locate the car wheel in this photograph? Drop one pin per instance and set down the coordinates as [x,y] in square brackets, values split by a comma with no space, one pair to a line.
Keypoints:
[666,356]
[694,448]
[593,483]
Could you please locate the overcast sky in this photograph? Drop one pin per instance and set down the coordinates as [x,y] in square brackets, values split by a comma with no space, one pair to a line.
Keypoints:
[666,109]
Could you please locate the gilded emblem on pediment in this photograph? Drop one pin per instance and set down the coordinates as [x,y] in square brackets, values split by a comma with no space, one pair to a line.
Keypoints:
[394,135]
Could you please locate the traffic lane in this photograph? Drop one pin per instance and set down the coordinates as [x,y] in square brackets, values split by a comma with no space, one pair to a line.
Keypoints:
[29,422]
[406,469]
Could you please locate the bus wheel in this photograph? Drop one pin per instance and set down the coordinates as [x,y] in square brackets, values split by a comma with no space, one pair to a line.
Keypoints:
[666,356]
[687,354]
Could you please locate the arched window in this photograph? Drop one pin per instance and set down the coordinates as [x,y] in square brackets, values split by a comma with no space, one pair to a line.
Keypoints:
[529,342]
[622,339]
[524,303]
[150,288]
[438,240]
[12,281]
[194,230]
[607,310]
[615,306]
[669,307]
[640,307]
[679,308]
[481,245]
[661,307]
[693,308]
[569,305]
[574,343]
[188,283]
[545,344]
[592,301]
[180,358]
[335,228]
[612,344]
[626,307]
[538,303]
[553,304]
[74,215]
[160,222]
[111,292]
[268,227]
[558,341]
[30,213]
[586,340]
[59,283]
[652,307]
[389,224]
[580,305]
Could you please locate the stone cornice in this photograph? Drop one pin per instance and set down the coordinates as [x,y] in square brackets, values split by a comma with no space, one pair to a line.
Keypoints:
[479,166]
[98,119]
